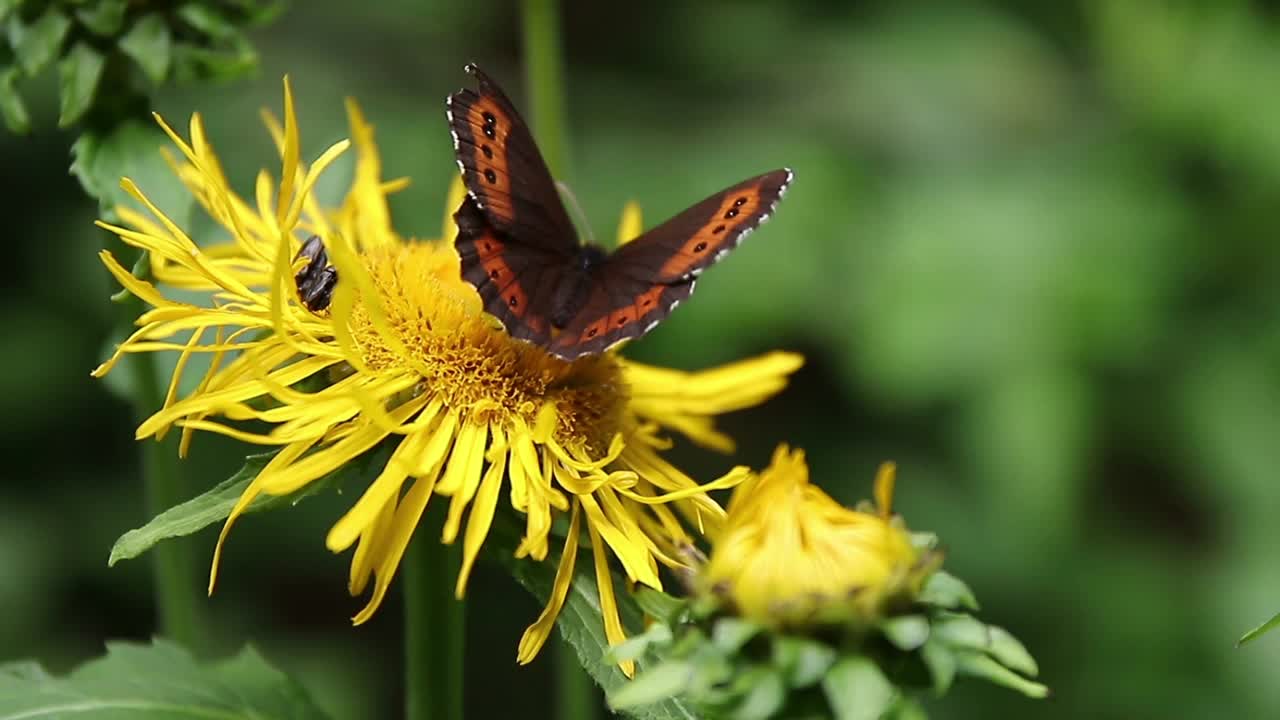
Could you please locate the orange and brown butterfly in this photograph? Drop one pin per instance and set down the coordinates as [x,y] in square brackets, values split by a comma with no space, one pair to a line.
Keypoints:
[521,252]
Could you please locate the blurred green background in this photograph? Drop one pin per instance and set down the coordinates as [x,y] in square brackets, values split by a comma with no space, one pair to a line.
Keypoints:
[1030,254]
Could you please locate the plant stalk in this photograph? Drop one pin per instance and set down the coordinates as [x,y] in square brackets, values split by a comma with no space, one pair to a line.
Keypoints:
[435,624]
[544,68]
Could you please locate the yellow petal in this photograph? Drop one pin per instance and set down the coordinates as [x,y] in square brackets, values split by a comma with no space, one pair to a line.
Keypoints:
[535,636]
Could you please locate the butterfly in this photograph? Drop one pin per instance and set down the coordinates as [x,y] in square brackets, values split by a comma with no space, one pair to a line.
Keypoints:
[519,248]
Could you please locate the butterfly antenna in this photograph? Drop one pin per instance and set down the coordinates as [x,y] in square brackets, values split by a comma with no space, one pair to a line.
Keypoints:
[579,217]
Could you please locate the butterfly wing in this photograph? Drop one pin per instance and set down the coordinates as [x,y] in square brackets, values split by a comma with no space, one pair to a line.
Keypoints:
[516,281]
[643,281]
[503,170]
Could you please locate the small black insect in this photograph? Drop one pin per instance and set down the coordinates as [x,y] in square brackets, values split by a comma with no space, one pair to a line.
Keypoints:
[317,278]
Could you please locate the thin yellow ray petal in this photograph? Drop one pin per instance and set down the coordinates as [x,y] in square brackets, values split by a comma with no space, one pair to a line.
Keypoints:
[383,489]
[282,459]
[289,161]
[407,515]
[481,517]
[608,603]
[470,483]
[535,636]
[372,538]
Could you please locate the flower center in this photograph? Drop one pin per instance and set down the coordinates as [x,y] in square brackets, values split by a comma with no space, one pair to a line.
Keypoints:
[467,359]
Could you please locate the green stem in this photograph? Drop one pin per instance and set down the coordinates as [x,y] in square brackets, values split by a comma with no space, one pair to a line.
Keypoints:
[575,690]
[576,694]
[435,622]
[545,68]
[179,600]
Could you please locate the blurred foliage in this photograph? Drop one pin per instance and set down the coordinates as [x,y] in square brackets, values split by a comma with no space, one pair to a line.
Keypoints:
[736,668]
[124,47]
[175,686]
[1030,254]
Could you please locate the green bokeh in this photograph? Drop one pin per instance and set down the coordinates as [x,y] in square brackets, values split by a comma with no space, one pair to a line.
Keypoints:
[1030,254]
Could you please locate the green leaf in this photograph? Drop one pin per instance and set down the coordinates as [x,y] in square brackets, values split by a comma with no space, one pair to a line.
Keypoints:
[38,43]
[962,631]
[654,685]
[580,621]
[130,149]
[660,606]
[857,690]
[767,693]
[1260,630]
[984,666]
[215,505]
[906,632]
[104,17]
[943,589]
[195,63]
[730,633]
[157,680]
[11,105]
[1010,652]
[202,17]
[941,661]
[78,76]
[634,648]
[802,661]
[907,709]
[148,43]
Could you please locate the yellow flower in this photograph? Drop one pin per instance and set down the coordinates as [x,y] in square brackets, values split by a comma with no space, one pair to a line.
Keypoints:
[404,357]
[788,555]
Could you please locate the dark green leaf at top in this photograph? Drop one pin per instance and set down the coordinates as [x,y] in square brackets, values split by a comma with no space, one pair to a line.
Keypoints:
[148,44]
[78,75]
[37,43]
[103,17]
[154,681]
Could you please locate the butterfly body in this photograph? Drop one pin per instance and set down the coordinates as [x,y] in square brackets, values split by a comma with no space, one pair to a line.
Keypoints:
[521,252]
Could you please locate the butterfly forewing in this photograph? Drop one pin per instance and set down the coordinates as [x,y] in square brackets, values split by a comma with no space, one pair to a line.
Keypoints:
[685,245]
[504,172]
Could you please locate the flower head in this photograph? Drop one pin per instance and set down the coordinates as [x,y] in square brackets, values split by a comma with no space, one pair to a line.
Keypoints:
[788,555]
[403,357]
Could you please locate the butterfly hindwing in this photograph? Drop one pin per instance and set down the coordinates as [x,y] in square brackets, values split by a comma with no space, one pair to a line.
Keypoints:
[516,283]
[503,170]
[685,245]
[619,308]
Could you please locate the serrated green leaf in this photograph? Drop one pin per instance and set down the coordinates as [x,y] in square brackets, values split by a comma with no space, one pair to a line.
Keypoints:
[940,659]
[765,696]
[661,606]
[857,689]
[730,633]
[149,45]
[215,504]
[654,685]
[802,661]
[981,665]
[1260,630]
[11,105]
[906,632]
[104,17]
[945,590]
[78,75]
[38,43]
[157,680]
[580,622]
